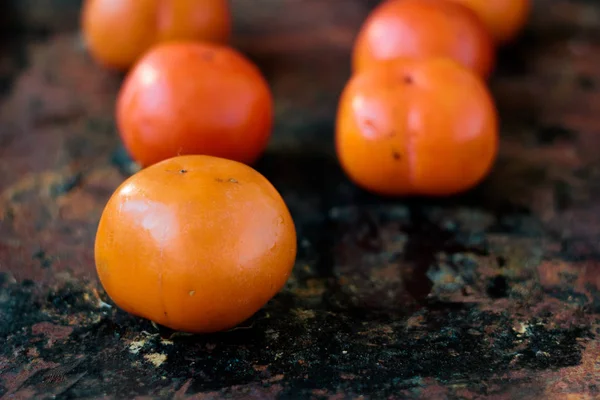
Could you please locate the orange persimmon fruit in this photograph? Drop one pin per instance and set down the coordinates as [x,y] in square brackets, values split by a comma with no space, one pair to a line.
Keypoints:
[416,127]
[195,243]
[118,32]
[194,98]
[424,29]
[504,18]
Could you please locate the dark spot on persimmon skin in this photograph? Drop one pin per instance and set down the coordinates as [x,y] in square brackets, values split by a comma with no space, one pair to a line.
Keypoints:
[368,127]
[369,124]
[407,79]
[183,171]
[230,180]
[396,155]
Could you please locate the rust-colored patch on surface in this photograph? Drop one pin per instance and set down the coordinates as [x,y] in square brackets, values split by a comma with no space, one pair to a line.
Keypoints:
[52,333]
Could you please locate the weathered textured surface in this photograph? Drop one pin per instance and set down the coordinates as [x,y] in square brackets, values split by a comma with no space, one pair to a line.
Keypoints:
[494,294]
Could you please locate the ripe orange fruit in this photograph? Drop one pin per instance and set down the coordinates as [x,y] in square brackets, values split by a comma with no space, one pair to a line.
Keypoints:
[195,243]
[503,18]
[194,98]
[416,127]
[119,32]
[423,29]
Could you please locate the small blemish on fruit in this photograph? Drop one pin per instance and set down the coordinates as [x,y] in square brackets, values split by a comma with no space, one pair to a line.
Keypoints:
[183,171]
[369,128]
[407,79]
[396,155]
[192,292]
[232,180]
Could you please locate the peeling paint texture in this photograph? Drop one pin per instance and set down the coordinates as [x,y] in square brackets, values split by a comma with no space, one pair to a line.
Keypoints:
[493,294]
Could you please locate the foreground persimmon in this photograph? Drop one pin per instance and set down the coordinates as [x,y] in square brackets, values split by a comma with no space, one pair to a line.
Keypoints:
[194,98]
[503,18]
[424,29]
[416,127]
[118,32]
[195,243]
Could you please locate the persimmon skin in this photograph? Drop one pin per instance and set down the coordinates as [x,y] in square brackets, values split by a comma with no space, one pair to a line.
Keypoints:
[195,243]
[194,98]
[504,18]
[424,29]
[416,127]
[118,32]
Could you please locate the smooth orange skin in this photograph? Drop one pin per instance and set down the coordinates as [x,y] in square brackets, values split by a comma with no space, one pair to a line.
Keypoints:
[416,127]
[424,29]
[504,18]
[195,243]
[194,98]
[118,32]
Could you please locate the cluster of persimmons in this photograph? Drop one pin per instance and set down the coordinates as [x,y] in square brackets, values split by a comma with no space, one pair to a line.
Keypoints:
[198,240]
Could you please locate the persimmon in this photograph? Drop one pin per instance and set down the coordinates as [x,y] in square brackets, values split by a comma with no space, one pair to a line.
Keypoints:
[118,32]
[423,29]
[195,243]
[416,127]
[194,98]
[503,18]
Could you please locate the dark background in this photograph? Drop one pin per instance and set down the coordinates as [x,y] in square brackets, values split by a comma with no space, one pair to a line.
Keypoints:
[492,294]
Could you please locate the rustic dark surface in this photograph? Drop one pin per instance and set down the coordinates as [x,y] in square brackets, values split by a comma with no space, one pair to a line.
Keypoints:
[493,294]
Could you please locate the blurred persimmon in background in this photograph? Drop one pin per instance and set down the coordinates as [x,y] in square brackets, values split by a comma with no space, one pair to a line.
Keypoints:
[118,32]
[504,18]
[194,98]
[422,29]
